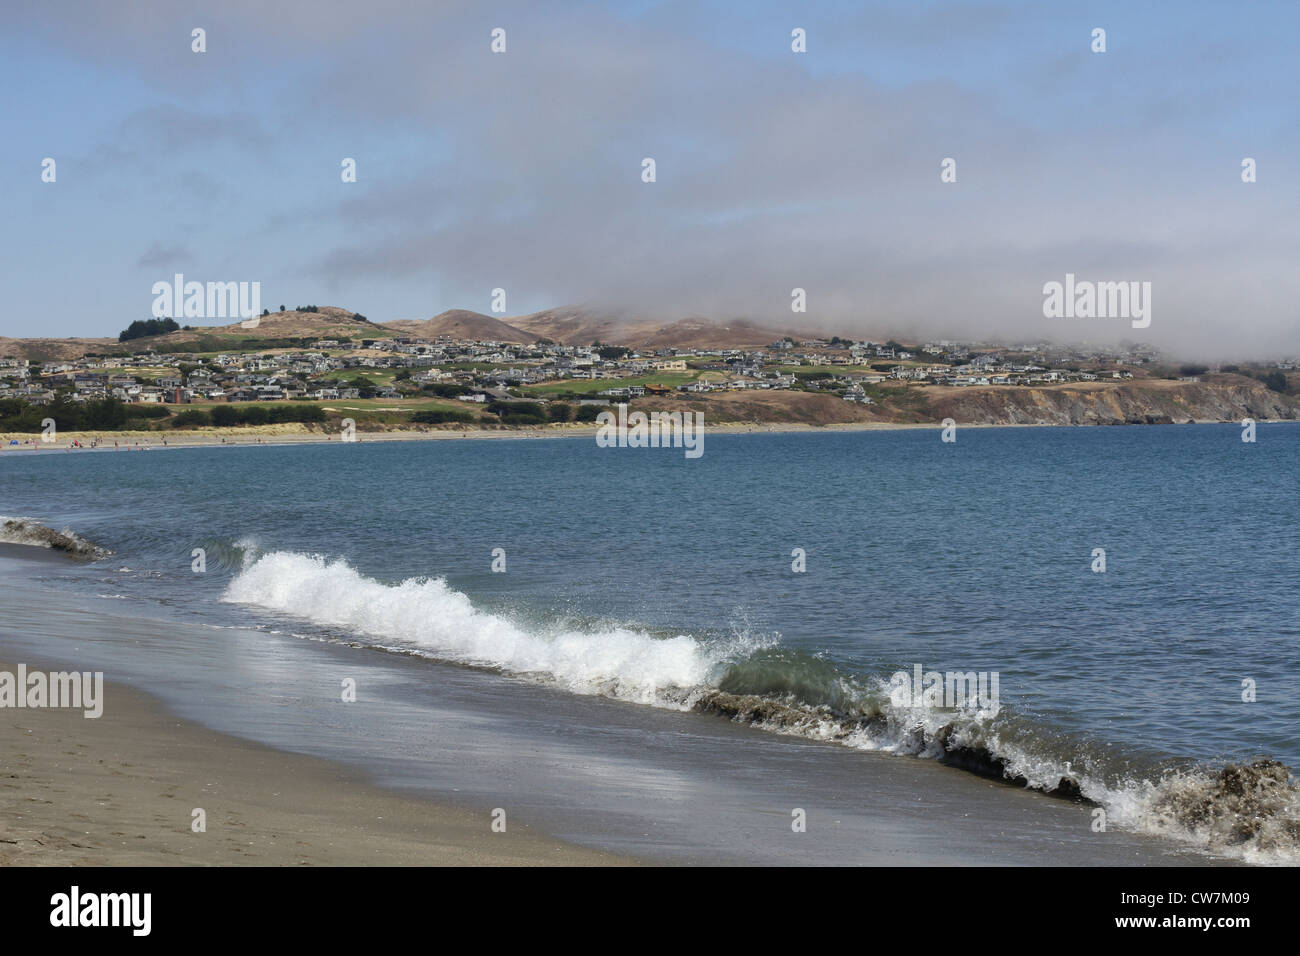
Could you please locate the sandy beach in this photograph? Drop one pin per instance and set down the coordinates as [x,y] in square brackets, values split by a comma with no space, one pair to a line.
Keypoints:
[288,434]
[121,789]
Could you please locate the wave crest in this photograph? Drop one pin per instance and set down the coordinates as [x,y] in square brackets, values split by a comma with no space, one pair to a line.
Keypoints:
[427,615]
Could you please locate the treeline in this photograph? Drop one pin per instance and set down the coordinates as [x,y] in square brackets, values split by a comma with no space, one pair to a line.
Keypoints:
[19,416]
[226,416]
[511,413]
[141,328]
[532,413]
[111,414]
[107,414]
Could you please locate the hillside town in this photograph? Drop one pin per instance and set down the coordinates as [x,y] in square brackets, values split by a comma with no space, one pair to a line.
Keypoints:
[339,369]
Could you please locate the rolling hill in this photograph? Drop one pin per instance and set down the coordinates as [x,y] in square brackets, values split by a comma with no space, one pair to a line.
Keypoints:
[463,324]
[578,326]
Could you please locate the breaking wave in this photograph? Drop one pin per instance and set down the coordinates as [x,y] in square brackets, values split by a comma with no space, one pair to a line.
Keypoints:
[1249,811]
[429,616]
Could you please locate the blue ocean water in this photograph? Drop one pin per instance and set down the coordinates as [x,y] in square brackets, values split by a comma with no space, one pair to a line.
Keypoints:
[642,575]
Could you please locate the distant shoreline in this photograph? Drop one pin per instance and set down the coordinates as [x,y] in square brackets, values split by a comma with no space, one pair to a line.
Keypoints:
[266,435]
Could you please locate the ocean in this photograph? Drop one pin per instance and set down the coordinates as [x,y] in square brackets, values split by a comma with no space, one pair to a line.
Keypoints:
[672,655]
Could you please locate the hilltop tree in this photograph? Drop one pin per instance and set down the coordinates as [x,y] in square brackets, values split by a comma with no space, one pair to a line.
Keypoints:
[141,328]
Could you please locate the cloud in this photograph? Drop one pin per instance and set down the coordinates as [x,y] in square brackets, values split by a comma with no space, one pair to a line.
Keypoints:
[164,256]
[775,170]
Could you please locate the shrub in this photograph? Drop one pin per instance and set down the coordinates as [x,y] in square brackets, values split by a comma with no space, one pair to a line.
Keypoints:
[146,411]
[443,390]
[439,416]
[1275,381]
[191,418]
[224,416]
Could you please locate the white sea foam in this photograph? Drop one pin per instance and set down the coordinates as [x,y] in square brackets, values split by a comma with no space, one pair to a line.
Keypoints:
[430,616]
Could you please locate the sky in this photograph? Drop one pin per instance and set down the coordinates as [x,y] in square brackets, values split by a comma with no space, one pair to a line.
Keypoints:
[774,170]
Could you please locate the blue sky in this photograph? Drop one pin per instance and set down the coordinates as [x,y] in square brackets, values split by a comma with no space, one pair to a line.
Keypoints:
[774,169]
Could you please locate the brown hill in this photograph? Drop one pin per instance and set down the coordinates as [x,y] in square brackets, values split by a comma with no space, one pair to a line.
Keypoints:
[54,350]
[462,324]
[569,326]
[327,322]
[578,326]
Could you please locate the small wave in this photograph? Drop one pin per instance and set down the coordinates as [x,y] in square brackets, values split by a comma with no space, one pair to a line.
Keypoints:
[1249,811]
[28,531]
[428,615]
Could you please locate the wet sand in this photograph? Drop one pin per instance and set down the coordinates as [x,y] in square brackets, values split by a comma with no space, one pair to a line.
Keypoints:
[120,790]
